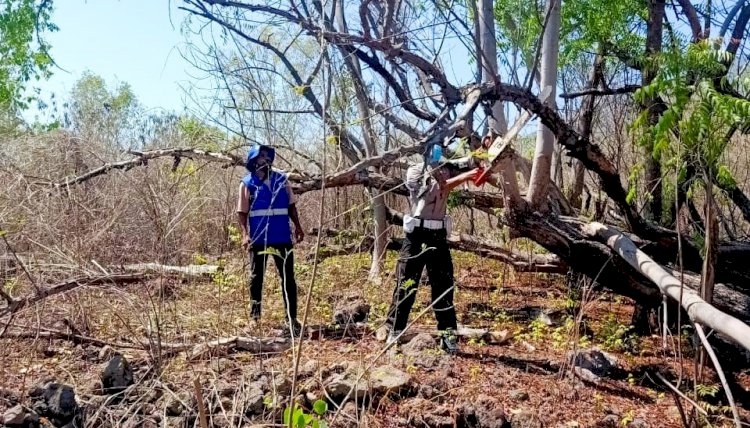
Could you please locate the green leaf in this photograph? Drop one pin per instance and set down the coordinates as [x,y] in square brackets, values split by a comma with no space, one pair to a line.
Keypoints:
[725,179]
[301,421]
[270,252]
[320,407]
[323,424]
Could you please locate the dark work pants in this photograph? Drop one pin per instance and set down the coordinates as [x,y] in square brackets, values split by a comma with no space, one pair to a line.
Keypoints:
[424,248]
[284,259]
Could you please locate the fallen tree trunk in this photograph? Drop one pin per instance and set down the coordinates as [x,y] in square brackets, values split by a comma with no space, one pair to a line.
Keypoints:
[253,345]
[189,270]
[724,296]
[697,309]
[539,263]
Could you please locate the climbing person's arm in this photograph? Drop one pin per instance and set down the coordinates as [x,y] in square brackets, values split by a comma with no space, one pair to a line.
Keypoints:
[461,178]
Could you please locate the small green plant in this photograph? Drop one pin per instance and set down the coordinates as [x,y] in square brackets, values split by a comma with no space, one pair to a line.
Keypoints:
[477,341]
[561,335]
[268,402]
[615,336]
[627,418]
[225,281]
[502,317]
[539,329]
[631,379]
[10,286]
[199,259]
[704,391]
[234,234]
[300,419]
[475,371]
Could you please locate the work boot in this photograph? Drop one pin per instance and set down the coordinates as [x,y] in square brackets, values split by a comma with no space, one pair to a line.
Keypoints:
[254,310]
[449,341]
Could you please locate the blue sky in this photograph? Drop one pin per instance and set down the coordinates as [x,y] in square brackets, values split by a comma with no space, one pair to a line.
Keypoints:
[133,41]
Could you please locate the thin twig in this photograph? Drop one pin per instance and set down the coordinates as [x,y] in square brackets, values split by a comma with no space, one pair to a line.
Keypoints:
[201,405]
[720,372]
[681,394]
[20,263]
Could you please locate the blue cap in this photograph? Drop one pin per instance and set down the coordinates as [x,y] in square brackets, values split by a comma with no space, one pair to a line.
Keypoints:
[255,151]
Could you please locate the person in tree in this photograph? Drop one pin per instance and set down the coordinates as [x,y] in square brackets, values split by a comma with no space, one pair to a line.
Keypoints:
[265,206]
[427,228]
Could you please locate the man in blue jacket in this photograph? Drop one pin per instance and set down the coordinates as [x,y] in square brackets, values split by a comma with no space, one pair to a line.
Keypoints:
[264,207]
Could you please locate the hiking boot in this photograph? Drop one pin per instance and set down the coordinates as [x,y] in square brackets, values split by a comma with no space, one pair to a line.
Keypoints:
[449,341]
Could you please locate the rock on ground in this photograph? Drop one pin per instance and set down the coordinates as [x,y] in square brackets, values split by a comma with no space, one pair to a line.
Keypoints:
[116,375]
[57,402]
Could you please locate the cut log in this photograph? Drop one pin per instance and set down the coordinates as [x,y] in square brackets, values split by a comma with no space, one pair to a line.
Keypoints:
[253,345]
[539,263]
[189,270]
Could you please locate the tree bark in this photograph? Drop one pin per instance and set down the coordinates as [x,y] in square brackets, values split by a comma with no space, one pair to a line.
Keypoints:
[584,129]
[545,142]
[711,242]
[652,166]
[496,122]
[378,203]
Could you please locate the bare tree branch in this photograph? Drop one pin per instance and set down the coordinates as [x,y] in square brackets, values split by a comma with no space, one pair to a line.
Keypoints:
[627,89]
[71,285]
[142,158]
[692,16]
[738,34]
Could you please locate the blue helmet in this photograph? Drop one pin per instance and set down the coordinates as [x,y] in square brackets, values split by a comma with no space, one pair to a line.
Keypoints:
[255,151]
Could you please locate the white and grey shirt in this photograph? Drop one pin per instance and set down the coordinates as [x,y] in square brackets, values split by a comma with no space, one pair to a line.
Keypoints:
[425,189]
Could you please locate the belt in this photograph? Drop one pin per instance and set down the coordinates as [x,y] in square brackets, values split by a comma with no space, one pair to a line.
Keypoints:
[431,224]
[268,212]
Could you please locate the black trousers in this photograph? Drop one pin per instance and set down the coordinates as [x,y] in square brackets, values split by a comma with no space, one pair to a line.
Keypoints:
[424,248]
[284,259]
